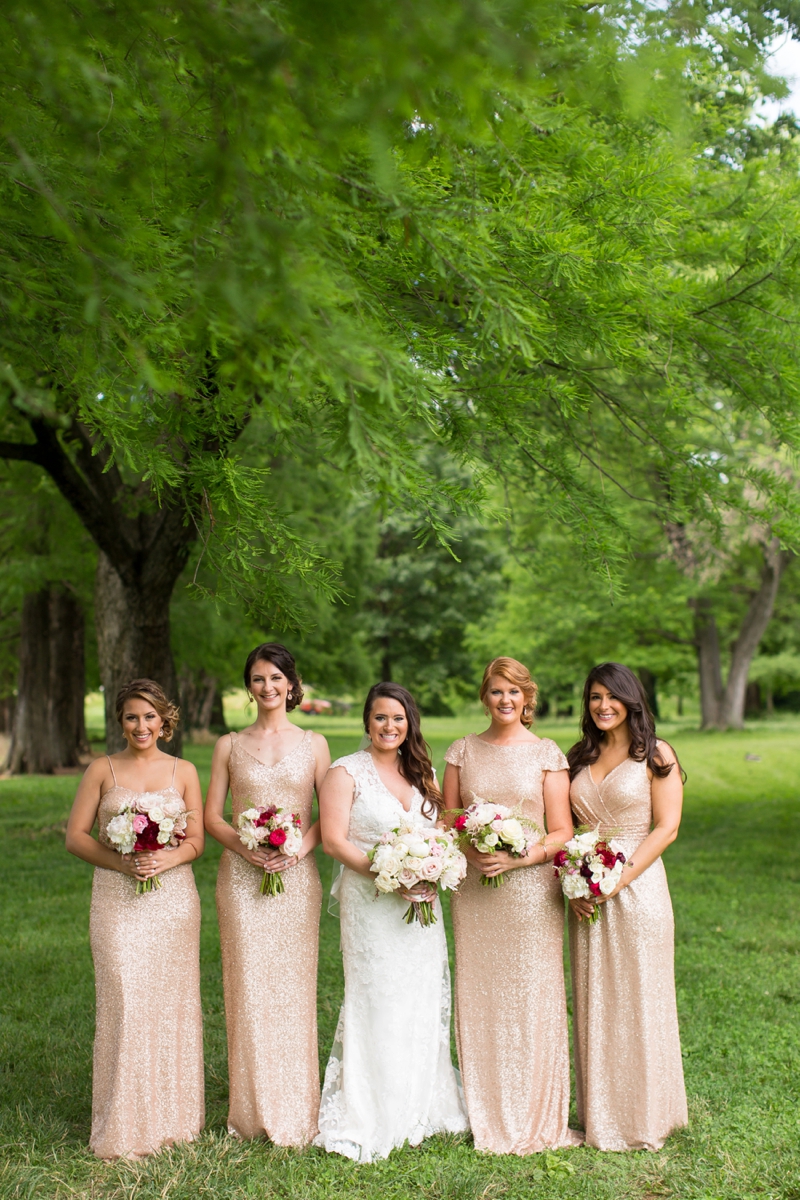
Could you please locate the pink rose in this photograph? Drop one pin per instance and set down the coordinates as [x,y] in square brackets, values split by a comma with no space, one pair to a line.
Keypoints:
[139,823]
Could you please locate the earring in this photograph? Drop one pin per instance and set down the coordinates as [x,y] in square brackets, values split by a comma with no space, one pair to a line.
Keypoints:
[288,695]
[161,733]
[249,698]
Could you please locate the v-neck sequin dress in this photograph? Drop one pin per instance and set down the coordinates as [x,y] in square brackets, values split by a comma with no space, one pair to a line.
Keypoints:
[511,1008]
[269,963]
[147,1083]
[628,1066]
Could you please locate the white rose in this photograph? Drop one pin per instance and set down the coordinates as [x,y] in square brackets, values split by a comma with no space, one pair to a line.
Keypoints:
[157,814]
[608,884]
[162,838]
[574,887]
[407,879]
[386,883]
[251,814]
[171,807]
[166,825]
[489,841]
[431,869]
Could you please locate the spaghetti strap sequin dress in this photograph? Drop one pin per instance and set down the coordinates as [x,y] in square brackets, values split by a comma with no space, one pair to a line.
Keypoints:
[147,1084]
[511,1008]
[628,1065]
[269,963]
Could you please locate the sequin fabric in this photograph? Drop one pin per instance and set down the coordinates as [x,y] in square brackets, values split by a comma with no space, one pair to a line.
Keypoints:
[147,1088]
[269,964]
[628,1067]
[389,1079]
[511,1011]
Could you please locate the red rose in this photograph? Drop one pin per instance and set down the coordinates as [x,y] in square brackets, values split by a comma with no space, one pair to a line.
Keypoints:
[560,859]
[262,819]
[594,888]
[277,837]
[460,823]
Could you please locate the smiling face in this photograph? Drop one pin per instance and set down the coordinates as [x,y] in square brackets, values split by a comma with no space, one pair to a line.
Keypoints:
[387,727]
[505,701]
[605,710]
[269,686]
[141,724]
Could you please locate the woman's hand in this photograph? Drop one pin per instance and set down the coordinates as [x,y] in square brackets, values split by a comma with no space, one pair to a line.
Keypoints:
[147,863]
[275,862]
[583,909]
[420,893]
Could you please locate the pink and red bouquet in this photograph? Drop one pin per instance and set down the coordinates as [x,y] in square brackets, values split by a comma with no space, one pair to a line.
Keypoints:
[276,829]
[589,866]
[153,823]
[491,827]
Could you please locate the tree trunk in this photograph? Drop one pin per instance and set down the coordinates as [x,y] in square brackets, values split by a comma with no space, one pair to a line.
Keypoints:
[648,682]
[759,613]
[133,639]
[48,730]
[706,640]
[201,700]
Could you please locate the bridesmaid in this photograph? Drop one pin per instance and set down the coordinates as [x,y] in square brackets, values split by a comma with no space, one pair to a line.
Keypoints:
[147,1088]
[269,943]
[511,1012]
[623,979]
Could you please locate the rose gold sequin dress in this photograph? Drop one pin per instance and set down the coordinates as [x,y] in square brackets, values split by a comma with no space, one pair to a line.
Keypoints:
[511,1010]
[269,963]
[147,1088]
[628,1064]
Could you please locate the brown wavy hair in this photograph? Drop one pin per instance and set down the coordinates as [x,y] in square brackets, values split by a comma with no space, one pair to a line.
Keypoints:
[517,673]
[625,687]
[415,753]
[153,693]
[283,659]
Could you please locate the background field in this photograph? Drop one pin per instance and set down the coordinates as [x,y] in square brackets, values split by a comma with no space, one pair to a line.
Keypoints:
[736,890]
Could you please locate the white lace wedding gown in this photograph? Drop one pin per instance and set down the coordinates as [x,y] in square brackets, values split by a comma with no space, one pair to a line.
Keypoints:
[389,1079]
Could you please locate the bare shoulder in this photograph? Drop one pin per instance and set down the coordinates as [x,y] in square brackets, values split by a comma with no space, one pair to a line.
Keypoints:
[97,772]
[665,752]
[186,771]
[319,742]
[222,748]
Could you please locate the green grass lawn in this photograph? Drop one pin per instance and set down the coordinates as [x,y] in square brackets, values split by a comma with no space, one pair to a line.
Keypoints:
[735,883]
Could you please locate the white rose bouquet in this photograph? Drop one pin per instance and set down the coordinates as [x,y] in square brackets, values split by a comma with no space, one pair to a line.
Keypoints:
[492,827]
[589,866]
[153,823]
[407,856]
[276,828]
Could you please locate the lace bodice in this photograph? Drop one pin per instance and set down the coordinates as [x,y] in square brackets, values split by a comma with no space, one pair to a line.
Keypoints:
[375,809]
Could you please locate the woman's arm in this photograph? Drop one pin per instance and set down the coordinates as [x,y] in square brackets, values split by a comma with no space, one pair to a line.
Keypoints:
[451,790]
[335,802]
[667,801]
[217,794]
[79,840]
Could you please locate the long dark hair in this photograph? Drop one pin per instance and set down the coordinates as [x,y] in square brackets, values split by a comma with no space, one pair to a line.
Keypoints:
[415,753]
[280,657]
[625,687]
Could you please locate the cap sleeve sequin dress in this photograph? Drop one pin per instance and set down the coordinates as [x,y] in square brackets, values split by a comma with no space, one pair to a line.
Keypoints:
[147,1088]
[269,963]
[511,1011]
[628,1067]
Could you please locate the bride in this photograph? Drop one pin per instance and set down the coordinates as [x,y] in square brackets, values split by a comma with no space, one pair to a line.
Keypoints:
[389,1078]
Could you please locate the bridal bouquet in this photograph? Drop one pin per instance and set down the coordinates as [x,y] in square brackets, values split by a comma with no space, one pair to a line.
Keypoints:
[490,827]
[277,829]
[408,856]
[588,866]
[152,823]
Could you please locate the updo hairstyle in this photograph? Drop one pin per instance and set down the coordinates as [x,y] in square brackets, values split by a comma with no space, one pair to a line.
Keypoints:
[152,693]
[279,656]
[516,673]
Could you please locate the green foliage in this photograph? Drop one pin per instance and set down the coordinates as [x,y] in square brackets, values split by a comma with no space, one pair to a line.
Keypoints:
[490,222]
[738,991]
